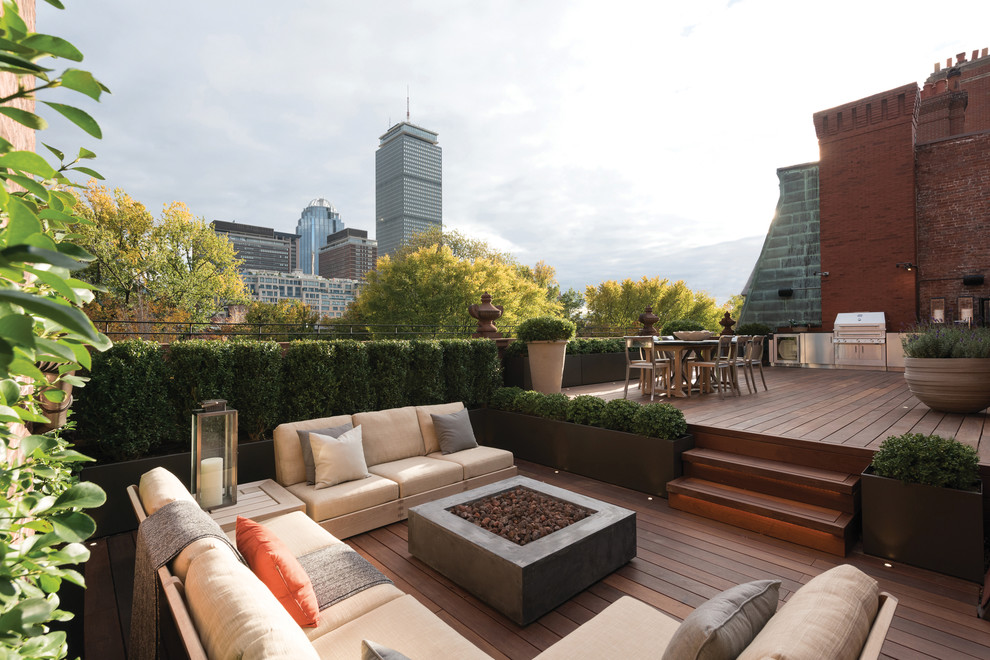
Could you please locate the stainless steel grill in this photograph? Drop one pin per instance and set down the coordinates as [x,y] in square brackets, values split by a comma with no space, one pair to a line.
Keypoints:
[860,339]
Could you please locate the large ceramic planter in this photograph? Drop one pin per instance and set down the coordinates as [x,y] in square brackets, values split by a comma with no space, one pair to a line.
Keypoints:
[940,529]
[546,364]
[954,385]
[624,459]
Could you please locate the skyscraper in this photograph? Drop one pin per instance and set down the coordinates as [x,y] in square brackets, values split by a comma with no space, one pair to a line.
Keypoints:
[318,220]
[261,248]
[348,254]
[408,187]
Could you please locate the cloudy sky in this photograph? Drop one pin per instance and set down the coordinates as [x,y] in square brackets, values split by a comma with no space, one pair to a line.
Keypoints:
[609,138]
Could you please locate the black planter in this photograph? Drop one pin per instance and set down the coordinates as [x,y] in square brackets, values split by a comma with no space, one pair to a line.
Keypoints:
[940,529]
[255,462]
[624,459]
[580,369]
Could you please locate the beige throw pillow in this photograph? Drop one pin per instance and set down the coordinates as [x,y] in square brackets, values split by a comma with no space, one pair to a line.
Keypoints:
[338,459]
[307,447]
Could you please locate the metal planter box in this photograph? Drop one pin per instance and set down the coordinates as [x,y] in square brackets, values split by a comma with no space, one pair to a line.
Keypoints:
[940,529]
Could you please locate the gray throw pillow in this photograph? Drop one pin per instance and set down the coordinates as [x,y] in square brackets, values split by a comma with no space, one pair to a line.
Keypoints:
[373,651]
[725,625]
[454,432]
[307,448]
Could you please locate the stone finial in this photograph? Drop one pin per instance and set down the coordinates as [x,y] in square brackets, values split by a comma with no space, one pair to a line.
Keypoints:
[487,314]
[727,322]
[648,318]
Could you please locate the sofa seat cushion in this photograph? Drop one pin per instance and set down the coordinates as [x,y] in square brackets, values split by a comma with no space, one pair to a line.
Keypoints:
[478,461]
[300,533]
[353,607]
[236,616]
[425,414]
[829,617]
[402,624]
[419,474]
[628,628]
[390,435]
[290,468]
[346,497]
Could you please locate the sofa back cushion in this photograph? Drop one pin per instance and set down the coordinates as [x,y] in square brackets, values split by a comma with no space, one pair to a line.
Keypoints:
[290,468]
[390,435]
[158,487]
[829,617]
[236,615]
[425,415]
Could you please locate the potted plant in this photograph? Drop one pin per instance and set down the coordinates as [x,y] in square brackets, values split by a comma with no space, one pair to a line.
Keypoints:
[546,340]
[923,505]
[947,367]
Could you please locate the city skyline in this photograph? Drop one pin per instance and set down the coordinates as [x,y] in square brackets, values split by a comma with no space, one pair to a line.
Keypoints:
[609,141]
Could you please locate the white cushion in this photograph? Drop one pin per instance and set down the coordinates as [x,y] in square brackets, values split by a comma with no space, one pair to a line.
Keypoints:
[339,459]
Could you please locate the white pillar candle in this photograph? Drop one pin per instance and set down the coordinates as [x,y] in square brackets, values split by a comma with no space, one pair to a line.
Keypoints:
[211,482]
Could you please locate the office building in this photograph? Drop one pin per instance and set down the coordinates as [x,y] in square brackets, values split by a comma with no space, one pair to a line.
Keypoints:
[408,185]
[329,297]
[348,254]
[261,248]
[318,220]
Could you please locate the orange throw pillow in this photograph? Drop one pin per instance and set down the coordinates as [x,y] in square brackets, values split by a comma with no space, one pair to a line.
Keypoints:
[274,564]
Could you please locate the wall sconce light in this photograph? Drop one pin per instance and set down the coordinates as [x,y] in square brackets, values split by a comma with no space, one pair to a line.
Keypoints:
[785,293]
[972,280]
[822,274]
[214,454]
[906,265]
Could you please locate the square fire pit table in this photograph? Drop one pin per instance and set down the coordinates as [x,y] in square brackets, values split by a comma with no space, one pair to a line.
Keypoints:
[523,582]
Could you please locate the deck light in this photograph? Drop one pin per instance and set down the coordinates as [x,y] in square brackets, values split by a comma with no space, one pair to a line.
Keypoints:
[214,454]
[906,265]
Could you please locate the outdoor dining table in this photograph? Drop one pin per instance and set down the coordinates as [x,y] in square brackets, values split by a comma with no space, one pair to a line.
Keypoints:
[681,351]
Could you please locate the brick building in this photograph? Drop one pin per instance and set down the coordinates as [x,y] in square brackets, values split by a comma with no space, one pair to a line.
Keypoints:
[901,210]
[349,254]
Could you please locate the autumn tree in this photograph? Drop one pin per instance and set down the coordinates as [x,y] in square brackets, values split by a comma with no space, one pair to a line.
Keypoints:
[618,304]
[153,268]
[284,320]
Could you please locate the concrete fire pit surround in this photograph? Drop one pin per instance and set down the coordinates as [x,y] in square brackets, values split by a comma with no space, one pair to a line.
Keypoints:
[522,582]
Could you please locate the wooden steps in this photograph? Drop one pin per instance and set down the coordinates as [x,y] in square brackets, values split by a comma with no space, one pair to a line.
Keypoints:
[803,504]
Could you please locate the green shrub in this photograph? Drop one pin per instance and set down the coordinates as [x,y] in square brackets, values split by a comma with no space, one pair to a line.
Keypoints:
[545,328]
[753,329]
[928,459]
[594,345]
[388,363]
[125,411]
[309,381]
[354,392]
[197,370]
[618,414]
[938,340]
[529,402]
[659,420]
[681,325]
[255,386]
[586,409]
[554,406]
[515,349]
[504,398]
[458,371]
[425,375]
[487,370]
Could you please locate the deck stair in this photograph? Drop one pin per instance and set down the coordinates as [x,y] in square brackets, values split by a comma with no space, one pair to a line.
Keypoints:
[808,505]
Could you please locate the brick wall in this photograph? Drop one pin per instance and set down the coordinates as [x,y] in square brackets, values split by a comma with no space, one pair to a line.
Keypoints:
[953,207]
[867,206]
[17,134]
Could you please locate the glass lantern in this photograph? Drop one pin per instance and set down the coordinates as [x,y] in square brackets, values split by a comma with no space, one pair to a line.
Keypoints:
[214,455]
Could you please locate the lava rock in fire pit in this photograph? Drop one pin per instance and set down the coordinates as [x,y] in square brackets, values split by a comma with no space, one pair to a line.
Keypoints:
[521,515]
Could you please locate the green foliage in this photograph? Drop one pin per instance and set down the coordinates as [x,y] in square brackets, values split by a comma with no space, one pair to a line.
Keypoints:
[928,459]
[753,329]
[938,340]
[680,325]
[659,420]
[42,523]
[515,349]
[255,386]
[457,369]
[588,345]
[309,380]
[528,402]
[586,409]
[571,302]
[554,406]
[504,398]
[619,415]
[127,411]
[285,320]
[424,381]
[487,370]
[351,365]
[388,361]
[618,304]
[198,370]
[545,328]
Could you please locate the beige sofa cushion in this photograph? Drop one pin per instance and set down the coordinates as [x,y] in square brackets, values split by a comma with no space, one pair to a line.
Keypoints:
[478,461]
[346,497]
[627,628]
[402,624]
[353,607]
[338,459]
[419,474]
[289,465]
[158,487]
[829,617]
[300,533]
[236,615]
[423,413]
[390,435]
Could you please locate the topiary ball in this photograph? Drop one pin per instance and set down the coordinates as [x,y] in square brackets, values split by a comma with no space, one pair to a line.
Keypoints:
[586,409]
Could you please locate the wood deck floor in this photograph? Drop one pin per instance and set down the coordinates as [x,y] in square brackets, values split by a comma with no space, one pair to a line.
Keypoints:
[682,560]
[839,406]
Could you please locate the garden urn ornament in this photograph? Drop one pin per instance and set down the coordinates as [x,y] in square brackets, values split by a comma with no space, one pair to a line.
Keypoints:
[487,314]
[648,318]
[727,322]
